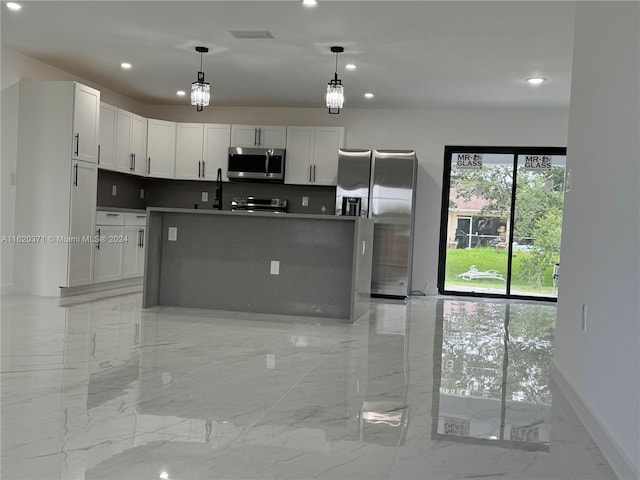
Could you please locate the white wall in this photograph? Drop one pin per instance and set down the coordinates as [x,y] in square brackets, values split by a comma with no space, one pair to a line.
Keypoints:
[601,232]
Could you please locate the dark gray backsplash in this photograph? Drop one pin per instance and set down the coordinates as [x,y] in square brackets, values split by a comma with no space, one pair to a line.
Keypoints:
[127,190]
[188,194]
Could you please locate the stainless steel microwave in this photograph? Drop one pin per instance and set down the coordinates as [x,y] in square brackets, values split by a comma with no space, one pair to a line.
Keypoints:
[256,164]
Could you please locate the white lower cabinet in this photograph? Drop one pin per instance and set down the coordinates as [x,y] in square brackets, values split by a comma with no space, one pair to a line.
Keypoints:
[120,252]
[133,250]
[84,187]
[108,249]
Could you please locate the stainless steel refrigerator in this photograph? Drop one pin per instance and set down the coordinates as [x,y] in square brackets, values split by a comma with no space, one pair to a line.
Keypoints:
[381,184]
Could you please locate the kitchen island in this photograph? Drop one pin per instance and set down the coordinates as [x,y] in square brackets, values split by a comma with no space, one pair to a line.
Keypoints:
[291,264]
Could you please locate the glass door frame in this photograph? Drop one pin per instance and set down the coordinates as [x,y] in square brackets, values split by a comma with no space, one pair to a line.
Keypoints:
[449,150]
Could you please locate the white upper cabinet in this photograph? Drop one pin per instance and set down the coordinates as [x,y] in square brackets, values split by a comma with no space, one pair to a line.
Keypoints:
[131,143]
[325,154]
[107,145]
[312,155]
[200,150]
[139,144]
[216,150]
[189,137]
[161,148]
[86,115]
[271,136]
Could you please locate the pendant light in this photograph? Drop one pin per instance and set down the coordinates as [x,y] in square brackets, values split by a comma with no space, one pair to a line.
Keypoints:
[335,90]
[200,90]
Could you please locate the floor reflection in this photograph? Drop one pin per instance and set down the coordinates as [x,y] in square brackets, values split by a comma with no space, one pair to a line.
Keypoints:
[431,388]
[491,373]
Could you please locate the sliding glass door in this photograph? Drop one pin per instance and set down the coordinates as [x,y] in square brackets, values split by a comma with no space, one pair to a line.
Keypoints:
[501,221]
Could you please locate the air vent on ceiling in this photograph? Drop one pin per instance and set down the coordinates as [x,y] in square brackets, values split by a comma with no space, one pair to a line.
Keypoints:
[251,34]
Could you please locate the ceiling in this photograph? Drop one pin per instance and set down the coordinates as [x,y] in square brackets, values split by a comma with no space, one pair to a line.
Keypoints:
[409,54]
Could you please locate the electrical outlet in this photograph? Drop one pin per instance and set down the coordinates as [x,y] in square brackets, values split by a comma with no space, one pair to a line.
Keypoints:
[305,201]
[141,193]
[205,196]
[271,361]
[583,319]
[173,234]
[275,267]
[114,190]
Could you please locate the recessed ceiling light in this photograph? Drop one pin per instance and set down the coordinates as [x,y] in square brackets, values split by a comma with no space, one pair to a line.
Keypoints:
[536,80]
[350,66]
[309,3]
[125,66]
[369,95]
[181,93]
[14,6]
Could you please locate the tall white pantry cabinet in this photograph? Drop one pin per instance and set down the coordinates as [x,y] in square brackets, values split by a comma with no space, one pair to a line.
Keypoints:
[56,186]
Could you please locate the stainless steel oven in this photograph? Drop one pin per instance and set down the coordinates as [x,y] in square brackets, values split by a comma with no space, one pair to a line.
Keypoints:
[256,164]
[257,204]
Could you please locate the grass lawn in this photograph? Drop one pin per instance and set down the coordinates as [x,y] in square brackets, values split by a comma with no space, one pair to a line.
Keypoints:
[487,258]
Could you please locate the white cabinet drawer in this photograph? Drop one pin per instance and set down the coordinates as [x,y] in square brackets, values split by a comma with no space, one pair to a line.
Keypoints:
[137,219]
[109,218]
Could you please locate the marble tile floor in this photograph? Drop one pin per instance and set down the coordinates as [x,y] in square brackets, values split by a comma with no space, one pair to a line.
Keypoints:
[432,388]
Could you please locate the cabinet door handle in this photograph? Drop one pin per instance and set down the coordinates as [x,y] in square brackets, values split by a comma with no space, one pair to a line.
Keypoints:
[203,165]
[141,216]
[98,243]
[255,136]
[77,144]
[134,161]
[149,166]
[141,232]
[75,175]
[309,173]
[131,167]
[98,154]
[259,136]
[113,214]
[199,168]
[314,174]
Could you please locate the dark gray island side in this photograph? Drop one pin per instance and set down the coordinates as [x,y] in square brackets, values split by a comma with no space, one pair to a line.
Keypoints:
[224,260]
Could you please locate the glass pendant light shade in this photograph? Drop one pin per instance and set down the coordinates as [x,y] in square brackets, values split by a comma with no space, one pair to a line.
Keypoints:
[335,95]
[335,90]
[200,90]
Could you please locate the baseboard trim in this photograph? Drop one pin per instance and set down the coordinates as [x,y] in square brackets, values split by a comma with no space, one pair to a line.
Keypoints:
[86,293]
[608,444]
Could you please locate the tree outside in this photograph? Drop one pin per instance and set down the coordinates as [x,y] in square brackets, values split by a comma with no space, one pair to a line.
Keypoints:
[537,215]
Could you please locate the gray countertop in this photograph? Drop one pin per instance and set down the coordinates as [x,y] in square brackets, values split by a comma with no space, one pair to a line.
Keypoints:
[123,210]
[305,216]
